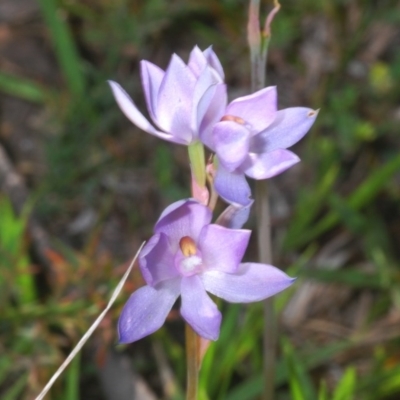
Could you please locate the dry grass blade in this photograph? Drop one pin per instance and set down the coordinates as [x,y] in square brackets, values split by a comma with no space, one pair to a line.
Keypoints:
[89,332]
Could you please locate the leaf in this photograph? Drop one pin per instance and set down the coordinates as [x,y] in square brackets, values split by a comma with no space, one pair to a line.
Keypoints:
[65,48]
[23,88]
[16,389]
[299,380]
[360,197]
[346,386]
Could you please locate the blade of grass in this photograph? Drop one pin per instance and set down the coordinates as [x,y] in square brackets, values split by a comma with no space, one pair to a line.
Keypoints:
[252,388]
[381,383]
[72,378]
[16,389]
[13,253]
[346,386]
[5,364]
[349,277]
[89,332]
[212,364]
[65,48]
[323,391]
[358,199]
[23,88]
[311,203]
[299,381]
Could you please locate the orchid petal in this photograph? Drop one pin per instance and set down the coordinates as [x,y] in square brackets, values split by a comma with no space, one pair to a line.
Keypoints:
[157,261]
[234,217]
[130,110]
[174,108]
[213,114]
[199,311]
[202,96]
[214,62]
[289,126]
[174,206]
[146,310]
[252,282]
[197,61]
[232,187]
[257,109]
[267,165]
[180,220]
[231,142]
[152,77]
[222,248]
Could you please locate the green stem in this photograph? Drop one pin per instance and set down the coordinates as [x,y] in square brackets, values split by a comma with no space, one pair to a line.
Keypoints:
[197,162]
[258,43]
[265,257]
[193,362]
[193,340]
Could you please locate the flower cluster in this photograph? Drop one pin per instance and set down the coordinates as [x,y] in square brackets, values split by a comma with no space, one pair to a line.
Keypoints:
[249,136]
[189,256]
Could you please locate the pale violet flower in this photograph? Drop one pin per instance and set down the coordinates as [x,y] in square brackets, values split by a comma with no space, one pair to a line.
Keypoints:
[188,256]
[184,101]
[251,140]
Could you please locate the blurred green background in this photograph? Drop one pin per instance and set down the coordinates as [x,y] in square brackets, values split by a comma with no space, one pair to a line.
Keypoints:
[81,188]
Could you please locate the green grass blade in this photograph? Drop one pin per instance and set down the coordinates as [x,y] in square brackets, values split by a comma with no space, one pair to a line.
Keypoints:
[345,388]
[323,391]
[16,389]
[311,203]
[65,48]
[5,364]
[13,254]
[252,388]
[348,277]
[299,381]
[72,379]
[23,88]
[358,199]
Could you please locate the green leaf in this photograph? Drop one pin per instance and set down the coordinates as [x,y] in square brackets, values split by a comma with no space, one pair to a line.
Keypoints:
[360,197]
[299,380]
[72,379]
[348,276]
[16,389]
[23,88]
[252,388]
[65,48]
[346,386]
[323,391]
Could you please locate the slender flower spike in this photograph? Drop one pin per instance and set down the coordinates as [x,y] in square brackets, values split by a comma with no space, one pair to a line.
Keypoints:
[184,101]
[188,256]
[252,139]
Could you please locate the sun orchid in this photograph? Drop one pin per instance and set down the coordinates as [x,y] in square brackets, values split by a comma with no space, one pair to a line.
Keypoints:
[184,101]
[252,139]
[188,256]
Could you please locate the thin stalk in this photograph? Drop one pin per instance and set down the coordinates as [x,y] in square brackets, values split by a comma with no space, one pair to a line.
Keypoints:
[265,257]
[197,163]
[192,362]
[195,345]
[258,42]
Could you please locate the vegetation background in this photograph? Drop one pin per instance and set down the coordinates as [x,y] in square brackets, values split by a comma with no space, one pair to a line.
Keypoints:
[81,188]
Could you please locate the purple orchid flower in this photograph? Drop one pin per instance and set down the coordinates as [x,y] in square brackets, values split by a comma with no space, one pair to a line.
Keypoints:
[251,139]
[188,256]
[183,102]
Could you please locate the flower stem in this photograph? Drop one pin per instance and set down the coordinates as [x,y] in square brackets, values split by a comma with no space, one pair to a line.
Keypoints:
[265,257]
[193,363]
[197,162]
[258,42]
[195,345]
